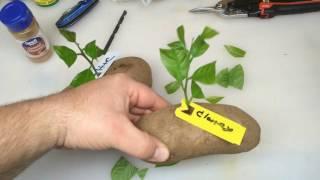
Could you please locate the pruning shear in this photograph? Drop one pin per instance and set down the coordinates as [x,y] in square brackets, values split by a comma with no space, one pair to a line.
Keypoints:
[260,8]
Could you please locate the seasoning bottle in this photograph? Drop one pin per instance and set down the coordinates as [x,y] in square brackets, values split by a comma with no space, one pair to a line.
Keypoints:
[24,27]
[45,3]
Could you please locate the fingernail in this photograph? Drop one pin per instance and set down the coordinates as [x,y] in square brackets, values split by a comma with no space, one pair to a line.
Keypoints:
[161,154]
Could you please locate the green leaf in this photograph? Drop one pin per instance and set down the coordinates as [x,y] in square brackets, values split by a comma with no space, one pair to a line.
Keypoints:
[123,170]
[205,74]
[235,51]
[69,35]
[66,54]
[196,91]
[83,77]
[175,63]
[92,50]
[223,78]
[236,77]
[208,33]
[172,87]
[214,99]
[180,32]
[166,165]
[199,47]
[142,173]
[178,45]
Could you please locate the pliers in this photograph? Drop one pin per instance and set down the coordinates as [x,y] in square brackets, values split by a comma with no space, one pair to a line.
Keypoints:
[258,8]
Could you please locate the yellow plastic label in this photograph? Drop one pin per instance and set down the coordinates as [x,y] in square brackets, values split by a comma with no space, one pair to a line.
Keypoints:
[211,122]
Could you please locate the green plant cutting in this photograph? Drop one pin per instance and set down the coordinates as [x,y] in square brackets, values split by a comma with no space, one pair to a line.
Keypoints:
[178,58]
[90,52]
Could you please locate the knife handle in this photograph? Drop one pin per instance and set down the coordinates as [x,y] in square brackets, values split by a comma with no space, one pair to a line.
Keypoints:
[270,9]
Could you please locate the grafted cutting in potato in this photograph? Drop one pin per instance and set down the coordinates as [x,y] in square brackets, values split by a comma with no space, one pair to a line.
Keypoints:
[186,141]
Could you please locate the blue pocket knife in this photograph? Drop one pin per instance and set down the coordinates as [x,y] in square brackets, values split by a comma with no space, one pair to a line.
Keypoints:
[75,13]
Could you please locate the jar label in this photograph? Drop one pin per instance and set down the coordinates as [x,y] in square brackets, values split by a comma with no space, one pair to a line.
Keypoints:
[45,2]
[36,46]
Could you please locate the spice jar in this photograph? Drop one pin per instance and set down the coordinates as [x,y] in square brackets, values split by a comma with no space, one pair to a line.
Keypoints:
[45,3]
[24,27]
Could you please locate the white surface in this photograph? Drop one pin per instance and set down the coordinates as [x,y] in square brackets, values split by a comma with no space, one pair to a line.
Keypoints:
[281,91]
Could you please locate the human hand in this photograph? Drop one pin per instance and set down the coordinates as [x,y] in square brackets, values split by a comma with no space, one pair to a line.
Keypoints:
[101,115]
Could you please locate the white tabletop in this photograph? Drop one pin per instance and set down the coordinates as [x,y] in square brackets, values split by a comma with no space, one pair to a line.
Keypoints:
[281,88]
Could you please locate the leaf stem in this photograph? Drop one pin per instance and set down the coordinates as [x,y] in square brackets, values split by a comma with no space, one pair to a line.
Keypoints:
[86,57]
[185,89]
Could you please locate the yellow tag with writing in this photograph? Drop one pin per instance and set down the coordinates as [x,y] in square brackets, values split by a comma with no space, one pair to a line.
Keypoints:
[211,122]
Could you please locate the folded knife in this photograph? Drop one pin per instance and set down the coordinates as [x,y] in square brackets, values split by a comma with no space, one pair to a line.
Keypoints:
[258,8]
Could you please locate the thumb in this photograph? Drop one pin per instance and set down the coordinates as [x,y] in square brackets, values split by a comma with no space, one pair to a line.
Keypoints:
[131,140]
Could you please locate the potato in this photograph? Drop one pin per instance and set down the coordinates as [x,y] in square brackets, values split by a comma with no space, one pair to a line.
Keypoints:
[186,141]
[134,67]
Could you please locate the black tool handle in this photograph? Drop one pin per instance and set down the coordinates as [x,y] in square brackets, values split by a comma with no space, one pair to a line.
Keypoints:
[288,8]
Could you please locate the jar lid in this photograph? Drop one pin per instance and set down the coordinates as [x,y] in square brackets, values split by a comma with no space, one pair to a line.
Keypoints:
[16,16]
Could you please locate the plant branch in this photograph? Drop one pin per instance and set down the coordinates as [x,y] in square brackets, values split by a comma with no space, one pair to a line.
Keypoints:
[86,57]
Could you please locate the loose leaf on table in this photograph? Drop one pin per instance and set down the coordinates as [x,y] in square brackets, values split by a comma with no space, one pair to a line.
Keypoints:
[214,99]
[208,33]
[69,35]
[83,77]
[223,78]
[235,51]
[166,165]
[236,77]
[175,63]
[123,170]
[199,47]
[66,54]
[92,50]
[142,173]
[180,32]
[172,87]
[205,74]
[196,91]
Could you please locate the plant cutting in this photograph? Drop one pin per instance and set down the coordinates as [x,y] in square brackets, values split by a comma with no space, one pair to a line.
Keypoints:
[135,67]
[183,139]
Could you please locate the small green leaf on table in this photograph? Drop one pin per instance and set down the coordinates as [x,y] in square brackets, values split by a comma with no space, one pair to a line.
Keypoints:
[172,87]
[223,78]
[214,99]
[196,91]
[166,165]
[66,54]
[208,33]
[236,77]
[142,173]
[205,74]
[83,77]
[235,51]
[69,35]
[92,50]
[123,170]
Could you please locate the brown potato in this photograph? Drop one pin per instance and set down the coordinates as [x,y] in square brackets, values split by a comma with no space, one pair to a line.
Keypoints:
[186,141]
[135,67]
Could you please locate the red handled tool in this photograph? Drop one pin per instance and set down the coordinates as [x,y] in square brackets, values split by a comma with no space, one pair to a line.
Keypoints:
[258,8]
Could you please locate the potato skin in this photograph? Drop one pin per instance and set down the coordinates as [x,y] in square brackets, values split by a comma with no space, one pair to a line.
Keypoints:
[186,141]
[135,67]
